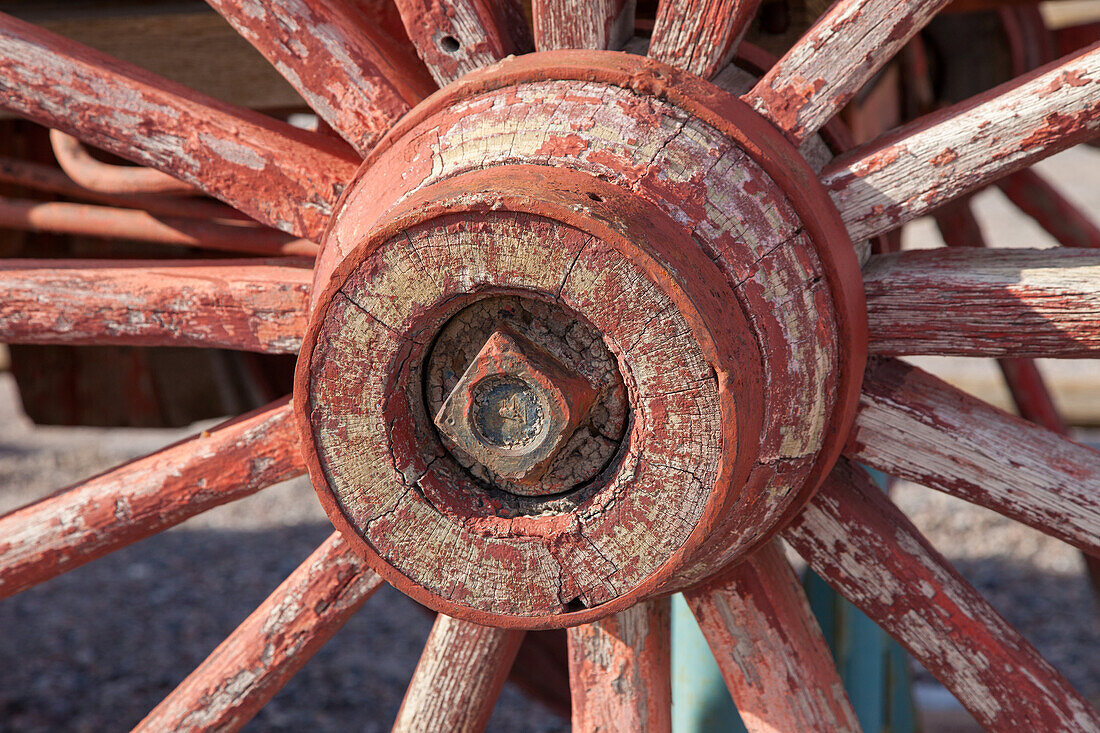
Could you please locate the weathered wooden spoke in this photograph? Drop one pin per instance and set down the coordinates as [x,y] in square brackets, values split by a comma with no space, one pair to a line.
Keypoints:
[985,302]
[271,645]
[284,177]
[770,649]
[700,36]
[594,24]
[912,425]
[253,305]
[852,535]
[146,496]
[833,60]
[454,37]
[619,670]
[887,182]
[460,674]
[351,73]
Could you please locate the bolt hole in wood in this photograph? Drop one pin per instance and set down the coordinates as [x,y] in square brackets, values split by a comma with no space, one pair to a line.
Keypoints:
[449,44]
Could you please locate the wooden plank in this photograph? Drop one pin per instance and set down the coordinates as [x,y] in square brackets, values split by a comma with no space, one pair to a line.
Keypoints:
[252,305]
[1061,218]
[770,649]
[619,669]
[102,514]
[834,59]
[595,24]
[912,425]
[454,37]
[459,676]
[271,645]
[852,535]
[358,79]
[700,36]
[282,176]
[908,173]
[975,302]
[115,223]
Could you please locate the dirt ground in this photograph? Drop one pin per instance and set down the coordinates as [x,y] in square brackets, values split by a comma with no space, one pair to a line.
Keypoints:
[95,649]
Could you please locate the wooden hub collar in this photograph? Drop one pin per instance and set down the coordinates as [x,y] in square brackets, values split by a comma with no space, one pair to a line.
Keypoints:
[577,340]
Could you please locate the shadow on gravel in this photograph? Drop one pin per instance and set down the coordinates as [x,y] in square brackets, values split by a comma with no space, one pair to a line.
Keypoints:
[96,649]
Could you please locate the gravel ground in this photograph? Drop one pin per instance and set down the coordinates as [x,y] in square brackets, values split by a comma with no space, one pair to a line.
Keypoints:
[95,649]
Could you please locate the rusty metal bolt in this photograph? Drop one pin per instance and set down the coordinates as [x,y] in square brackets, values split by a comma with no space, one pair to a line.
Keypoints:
[515,407]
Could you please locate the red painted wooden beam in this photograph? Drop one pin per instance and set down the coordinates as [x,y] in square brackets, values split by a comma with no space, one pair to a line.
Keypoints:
[252,305]
[92,518]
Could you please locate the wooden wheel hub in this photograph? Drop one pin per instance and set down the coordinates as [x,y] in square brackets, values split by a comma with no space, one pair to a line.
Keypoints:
[556,367]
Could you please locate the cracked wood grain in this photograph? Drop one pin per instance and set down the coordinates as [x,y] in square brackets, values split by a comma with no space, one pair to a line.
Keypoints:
[458,679]
[595,24]
[881,185]
[252,305]
[700,36]
[913,425]
[454,37]
[136,500]
[271,645]
[985,302]
[282,176]
[619,669]
[833,60]
[350,72]
[857,540]
[770,649]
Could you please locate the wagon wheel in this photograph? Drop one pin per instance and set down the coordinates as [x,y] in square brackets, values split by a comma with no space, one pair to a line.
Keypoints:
[583,330]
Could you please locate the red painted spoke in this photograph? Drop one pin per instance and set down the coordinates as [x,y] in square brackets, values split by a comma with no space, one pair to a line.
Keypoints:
[770,649]
[908,173]
[105,513]
[1031,193]
[460,674]
[46,178]
[700,36]
[252,305]
[96,175]
[985,302]
[595,24]
[852,535]
[115,223]
[619,671]
[271,645]
[912,425]
[284,177]
[454,37]
[351,73]
[834,59]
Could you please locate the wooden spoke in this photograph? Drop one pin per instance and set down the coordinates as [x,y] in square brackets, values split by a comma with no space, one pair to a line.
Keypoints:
[115,223]
[94,174]
[770,649]
[353,75]
[143,497]
[700,36]
[852,535]
[885,183]
[912,425]
[834,59]
[458,679]
[454,37]
[252,305]
[619,671]
[598,24]
[284,177]
[271,645]
[47,178]
[975,302]
[1033,195]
